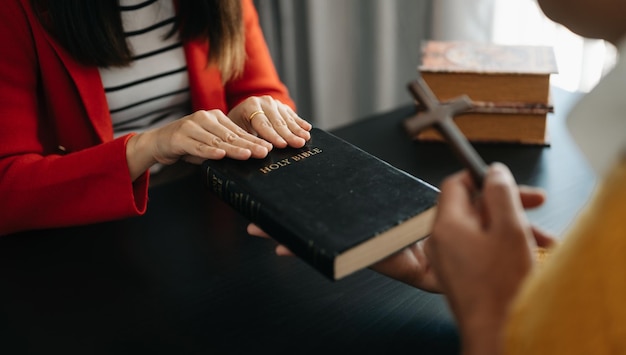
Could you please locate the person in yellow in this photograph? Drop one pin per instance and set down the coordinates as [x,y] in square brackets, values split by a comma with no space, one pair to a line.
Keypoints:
[481,254]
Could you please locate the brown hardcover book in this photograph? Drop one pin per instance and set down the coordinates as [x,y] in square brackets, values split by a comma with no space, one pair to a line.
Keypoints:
[509,85]
[506,123]
[488,72]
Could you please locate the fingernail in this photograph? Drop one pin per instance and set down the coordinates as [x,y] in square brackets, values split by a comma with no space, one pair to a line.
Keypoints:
[499,172]
[497,168]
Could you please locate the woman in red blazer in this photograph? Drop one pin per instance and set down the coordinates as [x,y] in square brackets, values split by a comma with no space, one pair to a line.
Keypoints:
[59,162]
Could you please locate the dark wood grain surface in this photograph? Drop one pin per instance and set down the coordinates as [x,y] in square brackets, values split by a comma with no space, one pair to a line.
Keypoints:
[186,278]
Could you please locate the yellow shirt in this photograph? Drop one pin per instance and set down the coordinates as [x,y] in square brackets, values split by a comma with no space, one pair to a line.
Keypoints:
[576,302]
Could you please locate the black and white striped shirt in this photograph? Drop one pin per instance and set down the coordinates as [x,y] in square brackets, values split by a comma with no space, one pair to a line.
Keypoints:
[154,89]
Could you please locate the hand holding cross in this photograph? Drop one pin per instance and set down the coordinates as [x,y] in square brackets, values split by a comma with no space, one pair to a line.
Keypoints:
[440,115]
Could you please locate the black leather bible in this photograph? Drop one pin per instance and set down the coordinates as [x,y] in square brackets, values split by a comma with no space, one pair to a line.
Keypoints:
[332,204]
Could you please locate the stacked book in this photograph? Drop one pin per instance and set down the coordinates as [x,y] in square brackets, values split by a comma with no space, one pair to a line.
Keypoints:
[508,85]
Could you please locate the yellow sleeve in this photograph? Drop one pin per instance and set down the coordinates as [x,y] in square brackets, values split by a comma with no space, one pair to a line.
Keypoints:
[576,302]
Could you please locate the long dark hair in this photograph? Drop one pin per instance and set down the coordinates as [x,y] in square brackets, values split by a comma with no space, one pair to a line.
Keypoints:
[92,30]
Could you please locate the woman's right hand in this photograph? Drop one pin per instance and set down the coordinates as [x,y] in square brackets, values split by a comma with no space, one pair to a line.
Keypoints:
[194,138]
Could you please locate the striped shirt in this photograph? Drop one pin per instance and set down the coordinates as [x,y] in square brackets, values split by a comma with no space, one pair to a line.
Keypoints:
[154,89]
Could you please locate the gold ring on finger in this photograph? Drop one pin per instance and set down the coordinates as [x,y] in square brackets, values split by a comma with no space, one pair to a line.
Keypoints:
[254,114]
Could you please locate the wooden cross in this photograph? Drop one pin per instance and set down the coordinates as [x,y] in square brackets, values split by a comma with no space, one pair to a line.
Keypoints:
[441,116]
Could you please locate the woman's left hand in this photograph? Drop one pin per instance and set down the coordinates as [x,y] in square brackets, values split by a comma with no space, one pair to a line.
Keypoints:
[271,120]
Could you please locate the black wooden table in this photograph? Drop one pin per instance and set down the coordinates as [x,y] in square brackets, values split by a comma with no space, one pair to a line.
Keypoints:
[187,279]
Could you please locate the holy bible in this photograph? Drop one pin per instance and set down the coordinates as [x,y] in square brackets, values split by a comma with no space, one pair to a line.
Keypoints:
[332,204]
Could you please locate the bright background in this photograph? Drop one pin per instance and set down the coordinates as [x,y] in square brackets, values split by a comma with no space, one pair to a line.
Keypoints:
[343,60]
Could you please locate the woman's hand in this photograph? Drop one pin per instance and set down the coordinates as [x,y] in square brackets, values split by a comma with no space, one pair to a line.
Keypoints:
[411,265]
[193,138]
[481,248]
[271,120]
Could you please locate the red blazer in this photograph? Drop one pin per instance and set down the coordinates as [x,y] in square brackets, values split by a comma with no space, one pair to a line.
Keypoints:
[59,163]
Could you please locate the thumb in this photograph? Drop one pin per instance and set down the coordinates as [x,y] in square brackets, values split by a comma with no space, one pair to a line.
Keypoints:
[501,199]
